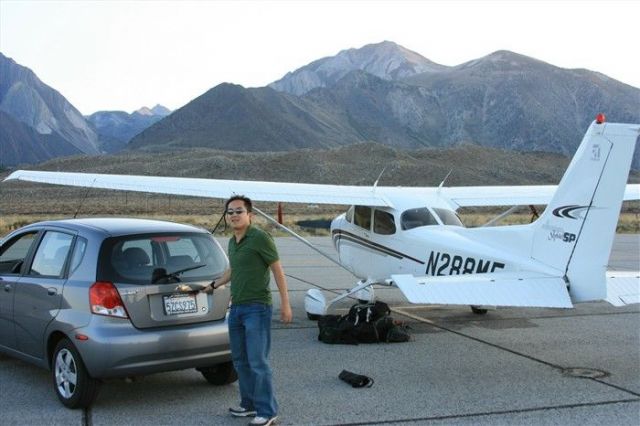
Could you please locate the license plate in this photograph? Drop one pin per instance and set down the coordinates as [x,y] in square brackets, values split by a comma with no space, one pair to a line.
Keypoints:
[180,304]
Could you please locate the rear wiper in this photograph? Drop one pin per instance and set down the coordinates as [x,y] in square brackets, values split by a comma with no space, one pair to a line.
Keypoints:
[160,275]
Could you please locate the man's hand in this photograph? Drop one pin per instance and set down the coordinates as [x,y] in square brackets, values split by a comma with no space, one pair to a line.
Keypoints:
[286,315]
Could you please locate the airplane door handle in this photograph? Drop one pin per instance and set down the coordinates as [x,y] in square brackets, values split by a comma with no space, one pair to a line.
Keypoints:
[52,291]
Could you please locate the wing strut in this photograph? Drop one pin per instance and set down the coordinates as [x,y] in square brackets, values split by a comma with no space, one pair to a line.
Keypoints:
[299,238]
[501,216]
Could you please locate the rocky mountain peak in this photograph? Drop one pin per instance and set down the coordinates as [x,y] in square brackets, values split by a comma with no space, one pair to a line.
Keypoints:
[25,98]
[386,60]
[160,110]
[503,60]
[144,111]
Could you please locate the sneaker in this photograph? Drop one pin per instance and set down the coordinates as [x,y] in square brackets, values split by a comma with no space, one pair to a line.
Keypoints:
[263,421]
[242,412]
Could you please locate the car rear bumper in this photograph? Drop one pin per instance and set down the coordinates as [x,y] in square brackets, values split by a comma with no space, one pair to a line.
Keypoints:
[116,349]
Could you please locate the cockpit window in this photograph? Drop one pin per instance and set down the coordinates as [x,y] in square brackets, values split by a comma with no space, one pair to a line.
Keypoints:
[349,215]
[383,223]
[448,217]
[362,217]
[414,218]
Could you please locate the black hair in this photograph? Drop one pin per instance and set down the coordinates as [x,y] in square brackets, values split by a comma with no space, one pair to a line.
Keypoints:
[246,200]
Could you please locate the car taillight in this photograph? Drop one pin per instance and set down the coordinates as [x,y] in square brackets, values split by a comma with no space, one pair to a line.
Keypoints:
[105,300]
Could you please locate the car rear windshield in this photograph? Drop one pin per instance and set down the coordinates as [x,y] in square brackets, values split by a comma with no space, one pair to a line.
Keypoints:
[160,258]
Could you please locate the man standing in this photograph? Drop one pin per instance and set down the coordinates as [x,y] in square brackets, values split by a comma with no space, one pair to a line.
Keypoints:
[252,253]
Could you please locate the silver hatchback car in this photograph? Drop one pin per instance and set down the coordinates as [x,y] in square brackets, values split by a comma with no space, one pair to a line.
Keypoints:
[97,298]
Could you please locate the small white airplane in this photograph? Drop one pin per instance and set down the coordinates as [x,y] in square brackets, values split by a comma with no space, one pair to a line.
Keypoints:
[412,238]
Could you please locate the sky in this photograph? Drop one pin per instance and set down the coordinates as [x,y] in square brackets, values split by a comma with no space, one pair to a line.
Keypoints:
[122,55]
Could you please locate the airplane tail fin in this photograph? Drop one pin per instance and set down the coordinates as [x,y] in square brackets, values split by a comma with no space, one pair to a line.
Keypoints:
[575,233]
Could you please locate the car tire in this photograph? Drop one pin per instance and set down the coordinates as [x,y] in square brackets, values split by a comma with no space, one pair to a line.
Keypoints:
[71,382]
[221,374]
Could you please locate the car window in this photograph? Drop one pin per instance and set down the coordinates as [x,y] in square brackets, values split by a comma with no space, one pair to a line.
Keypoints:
[51,254]
[135,248]
[136,259]
[14,252]
[448,217]
[78,253]
[414,218]
[383,223]
[362,217]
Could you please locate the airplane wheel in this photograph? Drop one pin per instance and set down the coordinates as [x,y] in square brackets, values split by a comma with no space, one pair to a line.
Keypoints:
[478,311]
[313,317]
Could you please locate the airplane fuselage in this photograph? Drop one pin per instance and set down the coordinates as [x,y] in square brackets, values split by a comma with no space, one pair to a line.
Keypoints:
[433,249]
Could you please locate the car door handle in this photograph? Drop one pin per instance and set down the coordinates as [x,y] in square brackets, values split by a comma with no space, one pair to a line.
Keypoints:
[52,291]
[7,287]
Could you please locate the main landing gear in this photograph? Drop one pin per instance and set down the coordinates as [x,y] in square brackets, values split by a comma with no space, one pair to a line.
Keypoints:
[316,305]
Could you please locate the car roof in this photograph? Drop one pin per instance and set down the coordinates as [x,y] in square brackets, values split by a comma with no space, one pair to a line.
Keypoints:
[120,226]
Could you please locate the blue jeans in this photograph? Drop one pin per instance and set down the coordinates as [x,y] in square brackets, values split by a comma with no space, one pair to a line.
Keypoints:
[250,336]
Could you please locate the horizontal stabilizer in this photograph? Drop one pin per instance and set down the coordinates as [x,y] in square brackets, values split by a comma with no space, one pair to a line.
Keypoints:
[623,288]
[523,289]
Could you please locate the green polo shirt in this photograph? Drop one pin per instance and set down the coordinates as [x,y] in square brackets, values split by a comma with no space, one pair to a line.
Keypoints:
[250,260]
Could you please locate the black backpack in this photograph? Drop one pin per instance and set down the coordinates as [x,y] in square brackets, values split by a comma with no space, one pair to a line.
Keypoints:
[365,323]
[368,312]
[334,329]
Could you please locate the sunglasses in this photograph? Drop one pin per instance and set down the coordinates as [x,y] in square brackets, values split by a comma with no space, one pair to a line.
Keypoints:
[231,212]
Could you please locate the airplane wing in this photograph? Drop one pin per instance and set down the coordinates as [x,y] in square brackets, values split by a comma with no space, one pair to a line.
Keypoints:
[464,196]
[479,196]
[508,289]
[214,188]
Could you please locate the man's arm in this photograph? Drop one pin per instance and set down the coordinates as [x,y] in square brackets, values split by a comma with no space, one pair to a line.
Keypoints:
[286,315]
[225,278]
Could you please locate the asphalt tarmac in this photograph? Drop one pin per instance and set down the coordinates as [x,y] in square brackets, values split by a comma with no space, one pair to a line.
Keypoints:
[510,366]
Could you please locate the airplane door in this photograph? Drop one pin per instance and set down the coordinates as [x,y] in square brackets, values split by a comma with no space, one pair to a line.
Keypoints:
[13,254]
[355,244]
[388,260]
[38,295]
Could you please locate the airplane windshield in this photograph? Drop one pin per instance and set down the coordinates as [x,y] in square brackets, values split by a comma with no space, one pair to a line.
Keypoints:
[448,217]
[414,218]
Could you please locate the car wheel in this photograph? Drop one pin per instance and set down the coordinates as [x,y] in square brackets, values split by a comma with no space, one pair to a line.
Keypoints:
[71,382]
[221,374]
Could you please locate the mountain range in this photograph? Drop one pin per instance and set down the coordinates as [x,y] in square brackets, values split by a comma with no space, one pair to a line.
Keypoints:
[116,128]
[38,123]
[387,94]
[381,93]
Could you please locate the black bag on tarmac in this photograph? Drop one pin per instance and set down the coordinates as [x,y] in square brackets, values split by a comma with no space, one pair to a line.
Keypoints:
[355,380]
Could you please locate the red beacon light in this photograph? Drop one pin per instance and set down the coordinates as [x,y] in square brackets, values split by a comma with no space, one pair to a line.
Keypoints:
[600,118]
